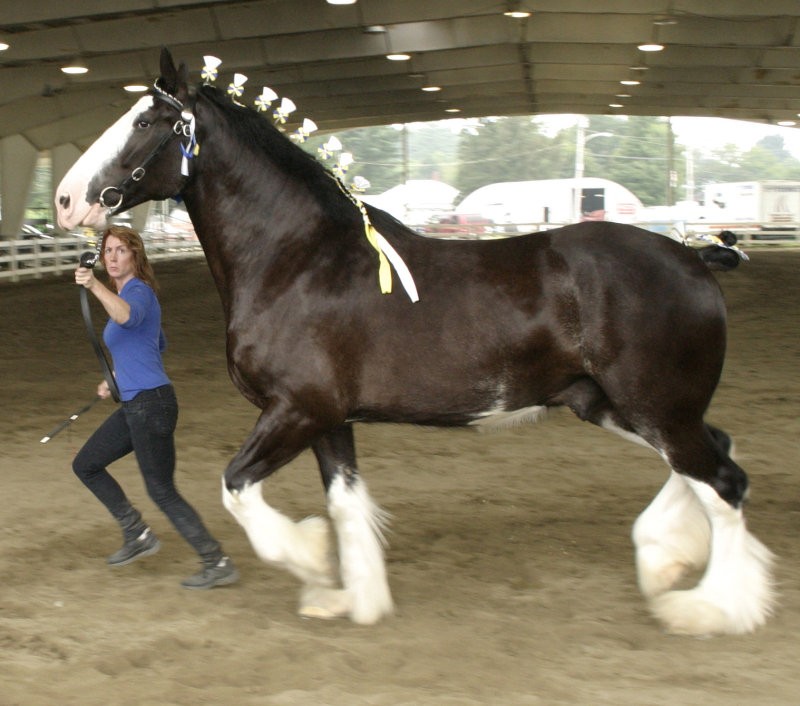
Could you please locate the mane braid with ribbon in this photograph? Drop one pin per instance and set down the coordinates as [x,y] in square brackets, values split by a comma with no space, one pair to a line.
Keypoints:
[253,129]
[326,185]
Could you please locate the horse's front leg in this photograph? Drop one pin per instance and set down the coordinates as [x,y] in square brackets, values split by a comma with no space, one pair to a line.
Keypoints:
[359,523]
[302,548]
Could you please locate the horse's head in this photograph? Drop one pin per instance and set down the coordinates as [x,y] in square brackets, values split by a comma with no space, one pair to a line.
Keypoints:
[137,159]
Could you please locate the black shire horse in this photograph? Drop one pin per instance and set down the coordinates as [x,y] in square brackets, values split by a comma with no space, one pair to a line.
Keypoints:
[624,327]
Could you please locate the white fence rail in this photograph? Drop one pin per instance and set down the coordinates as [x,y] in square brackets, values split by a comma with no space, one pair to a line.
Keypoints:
[35,258]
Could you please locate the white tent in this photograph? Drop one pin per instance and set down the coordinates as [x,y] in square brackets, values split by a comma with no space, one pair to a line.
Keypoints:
[415,201]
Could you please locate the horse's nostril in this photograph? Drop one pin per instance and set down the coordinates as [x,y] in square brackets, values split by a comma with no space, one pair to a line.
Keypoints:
[64,200]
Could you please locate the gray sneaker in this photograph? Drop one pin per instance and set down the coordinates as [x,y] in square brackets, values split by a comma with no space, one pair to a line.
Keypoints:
[220,574]
[143,545]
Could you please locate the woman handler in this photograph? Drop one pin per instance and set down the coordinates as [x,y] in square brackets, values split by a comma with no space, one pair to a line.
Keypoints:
[146,419]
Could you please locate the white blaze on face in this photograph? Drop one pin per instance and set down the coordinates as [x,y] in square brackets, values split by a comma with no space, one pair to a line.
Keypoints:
[72,206]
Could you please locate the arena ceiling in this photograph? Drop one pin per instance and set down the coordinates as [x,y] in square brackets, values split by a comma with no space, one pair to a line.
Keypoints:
[727,58]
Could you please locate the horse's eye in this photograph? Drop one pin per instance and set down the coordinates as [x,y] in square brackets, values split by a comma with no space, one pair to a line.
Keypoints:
[142,124]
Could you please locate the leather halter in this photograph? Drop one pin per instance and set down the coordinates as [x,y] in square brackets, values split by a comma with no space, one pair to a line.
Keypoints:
[182,128]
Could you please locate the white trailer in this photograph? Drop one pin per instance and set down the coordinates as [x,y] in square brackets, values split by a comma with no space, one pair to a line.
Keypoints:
[557,201]
[771,204]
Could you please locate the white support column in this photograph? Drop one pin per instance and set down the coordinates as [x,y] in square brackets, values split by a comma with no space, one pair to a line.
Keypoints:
[139,216]
[17,163]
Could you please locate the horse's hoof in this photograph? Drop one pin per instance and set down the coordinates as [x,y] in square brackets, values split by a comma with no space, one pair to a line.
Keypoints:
[324,603]
[688,613]
[318,612]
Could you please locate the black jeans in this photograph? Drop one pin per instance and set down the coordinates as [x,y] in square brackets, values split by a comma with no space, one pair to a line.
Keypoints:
[146,426]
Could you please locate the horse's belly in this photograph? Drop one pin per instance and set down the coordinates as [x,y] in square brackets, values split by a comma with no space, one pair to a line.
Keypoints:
[500,418]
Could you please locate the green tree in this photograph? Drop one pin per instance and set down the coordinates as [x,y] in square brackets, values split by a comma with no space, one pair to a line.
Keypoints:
[769,159]
[505,149]
[377,152]
[516,149]
[636,157]
[433,151]
[720,165]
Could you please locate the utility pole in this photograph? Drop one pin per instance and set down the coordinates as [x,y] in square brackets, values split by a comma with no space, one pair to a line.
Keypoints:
[672,175]
[581,138]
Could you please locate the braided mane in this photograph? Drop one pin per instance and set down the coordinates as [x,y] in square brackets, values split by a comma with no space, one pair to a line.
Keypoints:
[266,141]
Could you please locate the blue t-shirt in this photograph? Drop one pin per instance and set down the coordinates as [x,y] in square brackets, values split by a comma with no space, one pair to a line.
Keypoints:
[137,344]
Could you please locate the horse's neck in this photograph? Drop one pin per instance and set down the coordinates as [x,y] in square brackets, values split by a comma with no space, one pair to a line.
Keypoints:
[254,223]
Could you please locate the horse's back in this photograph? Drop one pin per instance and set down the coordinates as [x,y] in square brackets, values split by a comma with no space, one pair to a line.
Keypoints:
[510,323]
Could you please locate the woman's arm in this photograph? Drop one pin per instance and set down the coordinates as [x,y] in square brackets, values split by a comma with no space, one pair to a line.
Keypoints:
[117,308]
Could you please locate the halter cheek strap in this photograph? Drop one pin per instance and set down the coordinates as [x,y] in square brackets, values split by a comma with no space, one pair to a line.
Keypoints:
[108,194]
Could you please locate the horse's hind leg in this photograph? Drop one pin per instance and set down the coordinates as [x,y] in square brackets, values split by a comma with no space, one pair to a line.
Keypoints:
[735,595]
[671,537]
[359,524]
[697,517]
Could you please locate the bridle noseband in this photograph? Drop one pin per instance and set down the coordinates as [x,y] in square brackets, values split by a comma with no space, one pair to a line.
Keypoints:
[183,127]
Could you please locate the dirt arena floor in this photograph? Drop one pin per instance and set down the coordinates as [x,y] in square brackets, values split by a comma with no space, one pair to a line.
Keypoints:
[510,557]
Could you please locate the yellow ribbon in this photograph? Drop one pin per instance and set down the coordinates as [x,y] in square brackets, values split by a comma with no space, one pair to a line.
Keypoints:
[384,270]
[387,255]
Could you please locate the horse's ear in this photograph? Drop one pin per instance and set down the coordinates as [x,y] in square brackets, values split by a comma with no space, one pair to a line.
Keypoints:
[169,74]
[173,80]
[182,89]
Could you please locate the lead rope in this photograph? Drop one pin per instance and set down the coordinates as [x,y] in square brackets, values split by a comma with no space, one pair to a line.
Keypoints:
[89,260]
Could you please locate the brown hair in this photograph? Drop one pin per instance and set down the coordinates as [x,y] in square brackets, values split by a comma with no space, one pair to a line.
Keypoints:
[141,265]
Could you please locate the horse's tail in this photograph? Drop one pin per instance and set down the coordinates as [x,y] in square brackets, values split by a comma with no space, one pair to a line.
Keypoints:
[717,257]
[723,254]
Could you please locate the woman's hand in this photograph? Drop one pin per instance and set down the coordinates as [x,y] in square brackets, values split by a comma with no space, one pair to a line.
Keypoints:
[84,277]
[102,391]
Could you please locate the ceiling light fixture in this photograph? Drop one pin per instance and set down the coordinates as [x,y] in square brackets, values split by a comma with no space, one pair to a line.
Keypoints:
[3,45]
[514,9]
[787,123]
[615,105]
[341,2]
[651,46]
[431,89]
[452,110]
[75,67]
[398,57]
[630,82]
[135,88]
